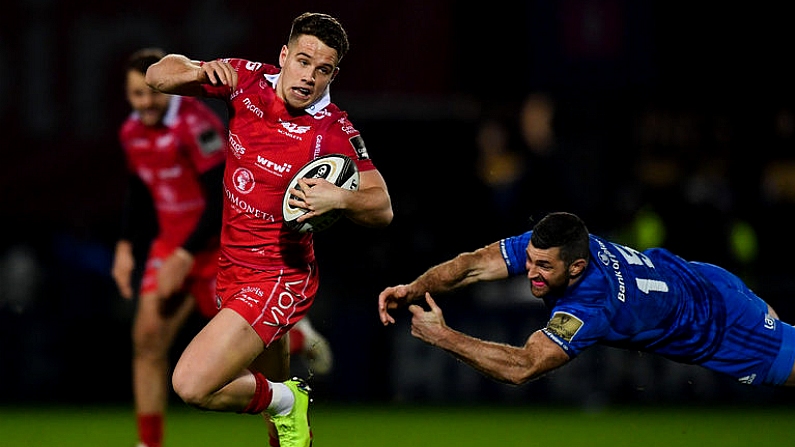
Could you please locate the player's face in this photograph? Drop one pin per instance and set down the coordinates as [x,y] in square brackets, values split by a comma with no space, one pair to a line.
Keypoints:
[308,67]
[150,104]
[547,272]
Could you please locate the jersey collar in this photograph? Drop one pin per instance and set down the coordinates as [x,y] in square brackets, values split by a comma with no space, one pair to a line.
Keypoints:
[170,118]
[315,107]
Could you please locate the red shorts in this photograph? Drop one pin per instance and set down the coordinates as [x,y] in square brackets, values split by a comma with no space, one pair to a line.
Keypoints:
[272,301]
[200,282]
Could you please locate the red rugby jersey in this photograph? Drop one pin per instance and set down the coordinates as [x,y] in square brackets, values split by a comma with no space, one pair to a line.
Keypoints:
[169,159]
[267,146]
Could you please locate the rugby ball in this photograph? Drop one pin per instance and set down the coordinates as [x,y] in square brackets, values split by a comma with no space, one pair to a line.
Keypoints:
[337,169]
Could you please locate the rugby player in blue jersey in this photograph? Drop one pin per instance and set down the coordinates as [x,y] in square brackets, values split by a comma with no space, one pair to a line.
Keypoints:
[600,292]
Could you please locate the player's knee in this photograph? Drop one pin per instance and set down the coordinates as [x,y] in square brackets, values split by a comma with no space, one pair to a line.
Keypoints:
[190,390]
[186,389]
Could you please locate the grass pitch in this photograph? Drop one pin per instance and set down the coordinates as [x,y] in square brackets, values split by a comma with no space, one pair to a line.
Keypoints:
[391,425]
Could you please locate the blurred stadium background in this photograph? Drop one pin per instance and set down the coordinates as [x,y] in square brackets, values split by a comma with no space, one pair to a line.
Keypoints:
[661,123]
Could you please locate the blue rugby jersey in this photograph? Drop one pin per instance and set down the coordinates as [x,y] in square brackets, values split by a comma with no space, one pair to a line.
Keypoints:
[654,301]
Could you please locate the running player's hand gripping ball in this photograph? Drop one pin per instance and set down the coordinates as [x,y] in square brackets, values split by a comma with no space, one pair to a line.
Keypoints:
[335,168]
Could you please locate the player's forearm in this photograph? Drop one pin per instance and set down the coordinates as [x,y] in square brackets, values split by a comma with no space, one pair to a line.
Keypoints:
[371,208]
[176,74]
[370,205]
[484,264]
[500,362]
[444,277]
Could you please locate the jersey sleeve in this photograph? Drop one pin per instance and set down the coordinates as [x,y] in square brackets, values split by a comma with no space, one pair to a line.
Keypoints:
[513,251]
[576,326]
[584,316]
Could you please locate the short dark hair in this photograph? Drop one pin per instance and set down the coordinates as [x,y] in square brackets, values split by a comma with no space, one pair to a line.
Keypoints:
[324,27]
[141,59]
[564,230]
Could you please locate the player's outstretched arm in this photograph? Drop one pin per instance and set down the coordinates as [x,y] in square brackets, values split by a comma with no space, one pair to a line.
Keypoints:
[501,362]
[392,298]
[483,264]
[177,74]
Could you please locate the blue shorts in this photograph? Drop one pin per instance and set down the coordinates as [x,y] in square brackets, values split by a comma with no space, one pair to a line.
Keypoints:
[756,349]
[782,366]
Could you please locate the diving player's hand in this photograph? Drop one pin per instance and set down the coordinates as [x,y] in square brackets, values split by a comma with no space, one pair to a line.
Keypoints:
[392,298]
[427,325]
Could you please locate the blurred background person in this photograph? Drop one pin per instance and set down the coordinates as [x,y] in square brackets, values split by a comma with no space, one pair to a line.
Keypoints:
[500,167]
[175,149]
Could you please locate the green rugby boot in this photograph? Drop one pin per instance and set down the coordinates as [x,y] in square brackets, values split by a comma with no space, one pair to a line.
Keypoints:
[293,428]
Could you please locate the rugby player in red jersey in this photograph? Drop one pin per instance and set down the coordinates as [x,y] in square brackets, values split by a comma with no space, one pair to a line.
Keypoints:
[175,149]
[280,119]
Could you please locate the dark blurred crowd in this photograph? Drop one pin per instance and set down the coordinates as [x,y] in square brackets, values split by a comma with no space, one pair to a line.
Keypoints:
[712,183]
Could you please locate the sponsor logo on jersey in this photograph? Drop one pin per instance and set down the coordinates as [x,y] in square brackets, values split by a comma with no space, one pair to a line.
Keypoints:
[210,142]
[556,339]
[277,310]
[358,145]
[251,107]
[318,144]
[273,167]
[244,207]
[770,322]
[293,130]
[238,150]
[250,296]
[504,252]
[243,180]
[609,259]
[253,66]
[748,380]
[346,126]
[563,325]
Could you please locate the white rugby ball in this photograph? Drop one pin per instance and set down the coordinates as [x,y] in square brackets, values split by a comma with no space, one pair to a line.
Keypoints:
[338,169]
